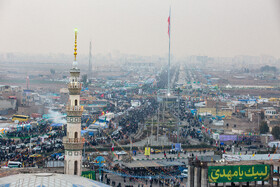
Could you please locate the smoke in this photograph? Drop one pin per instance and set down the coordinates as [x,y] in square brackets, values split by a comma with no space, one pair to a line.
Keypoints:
[57,117]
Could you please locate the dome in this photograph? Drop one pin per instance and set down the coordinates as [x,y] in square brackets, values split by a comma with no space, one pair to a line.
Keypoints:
[48,179]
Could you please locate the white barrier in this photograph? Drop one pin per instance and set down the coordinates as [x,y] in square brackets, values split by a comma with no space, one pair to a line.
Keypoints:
[251,157]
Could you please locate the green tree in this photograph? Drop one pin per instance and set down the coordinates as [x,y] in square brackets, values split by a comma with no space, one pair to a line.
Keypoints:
[276,132]
[264,127]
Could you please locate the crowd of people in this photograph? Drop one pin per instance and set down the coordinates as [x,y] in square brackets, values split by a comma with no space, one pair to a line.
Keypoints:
[30,147]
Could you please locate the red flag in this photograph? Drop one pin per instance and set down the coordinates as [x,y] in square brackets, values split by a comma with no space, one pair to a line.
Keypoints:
[169,20]
[112,147]
[168,26]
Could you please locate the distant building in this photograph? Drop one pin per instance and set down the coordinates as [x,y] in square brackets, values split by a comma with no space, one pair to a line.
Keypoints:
[64,95]
[7,105]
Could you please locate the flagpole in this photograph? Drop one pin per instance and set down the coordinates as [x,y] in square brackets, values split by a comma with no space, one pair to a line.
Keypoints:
[168,86]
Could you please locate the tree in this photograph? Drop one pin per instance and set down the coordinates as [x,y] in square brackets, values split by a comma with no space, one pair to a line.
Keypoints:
[264,127]
[276,132]
[52,71]
[267,68]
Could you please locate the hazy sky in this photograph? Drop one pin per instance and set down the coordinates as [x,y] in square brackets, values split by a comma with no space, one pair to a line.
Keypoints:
[199,27]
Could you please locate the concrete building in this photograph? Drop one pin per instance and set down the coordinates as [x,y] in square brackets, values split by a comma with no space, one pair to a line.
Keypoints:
[64,95]
[7,105]
[28,110]
[73,144]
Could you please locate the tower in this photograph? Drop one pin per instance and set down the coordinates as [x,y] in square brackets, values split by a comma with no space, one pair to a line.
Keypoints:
[73,144]
[89,62]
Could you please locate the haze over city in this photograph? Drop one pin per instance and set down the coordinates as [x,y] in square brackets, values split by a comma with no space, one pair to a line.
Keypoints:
[212,28]
[134,93]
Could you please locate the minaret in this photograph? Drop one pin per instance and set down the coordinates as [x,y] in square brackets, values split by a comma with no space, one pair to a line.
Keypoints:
[73,144]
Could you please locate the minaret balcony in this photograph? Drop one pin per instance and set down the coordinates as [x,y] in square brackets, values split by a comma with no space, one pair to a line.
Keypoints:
[74,88]
[72,143]
[74,110]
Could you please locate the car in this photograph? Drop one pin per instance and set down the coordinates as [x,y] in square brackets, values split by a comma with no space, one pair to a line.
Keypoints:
[48,148]
[58,141]
[156,150]
[48,143]
[18,146]
[11,155]
[29,145]
[121,152]
[38,148]
[253,147]
[35,155]
[13,164]
[57,145]
[115,133]
[3,118]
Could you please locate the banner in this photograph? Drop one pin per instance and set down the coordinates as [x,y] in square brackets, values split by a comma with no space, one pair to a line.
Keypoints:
[238,173]
[147,151]
[89,174]
[178,147]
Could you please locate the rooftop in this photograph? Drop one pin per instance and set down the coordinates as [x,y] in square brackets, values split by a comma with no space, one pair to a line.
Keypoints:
[48,179]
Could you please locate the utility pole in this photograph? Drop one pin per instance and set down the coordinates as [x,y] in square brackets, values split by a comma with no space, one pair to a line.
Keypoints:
[152,130]
[157,124]
[130,148]
[163,112]
[259,121]
[169,32]
[84,151]
[258,117]
[178,115]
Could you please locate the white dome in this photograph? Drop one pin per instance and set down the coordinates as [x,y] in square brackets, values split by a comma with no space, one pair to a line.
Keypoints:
[48,179]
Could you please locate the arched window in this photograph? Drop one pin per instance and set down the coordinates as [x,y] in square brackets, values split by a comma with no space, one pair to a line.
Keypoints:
[76,102]
[76,167]
[76,134]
